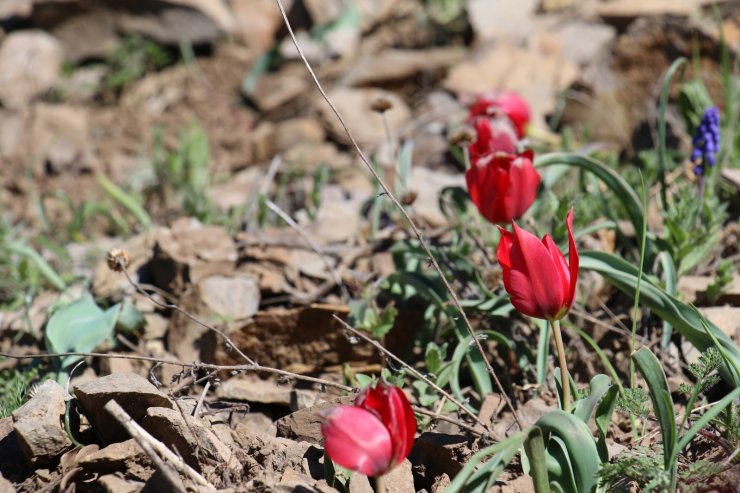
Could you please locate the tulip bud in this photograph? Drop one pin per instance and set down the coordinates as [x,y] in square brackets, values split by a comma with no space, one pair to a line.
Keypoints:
[540,282]
[503,186]
[506,103]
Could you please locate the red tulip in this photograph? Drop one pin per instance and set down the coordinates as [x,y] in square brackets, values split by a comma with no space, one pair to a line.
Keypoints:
[536,275]
[492,136]
[375,434]
[503,186]
[508,103]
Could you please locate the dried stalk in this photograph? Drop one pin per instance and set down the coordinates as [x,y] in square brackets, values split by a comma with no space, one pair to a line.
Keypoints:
[403,212]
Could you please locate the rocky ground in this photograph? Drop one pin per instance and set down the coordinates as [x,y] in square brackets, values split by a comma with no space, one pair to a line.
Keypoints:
[194,111]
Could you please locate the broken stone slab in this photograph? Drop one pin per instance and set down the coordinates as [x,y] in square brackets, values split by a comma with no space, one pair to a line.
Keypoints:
[284,337]
[578,41]
[365,124]
[426,204]
[6,486]
[501,20]
[294,131]
[620,13]
[399,480]
[193,440]
[395,65]
[440,455]
[38,424]
[118,456]
[132,392]
[114,483]
[190,251]
[61,135]
[30,62]
[249,388]
[538,77]
[305,424]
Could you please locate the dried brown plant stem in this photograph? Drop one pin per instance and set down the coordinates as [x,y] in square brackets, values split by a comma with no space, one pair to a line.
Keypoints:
[414,372]
[156,450]
[205,366]
[405,215]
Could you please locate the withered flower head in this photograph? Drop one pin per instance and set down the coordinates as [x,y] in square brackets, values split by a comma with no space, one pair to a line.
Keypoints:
[118,260]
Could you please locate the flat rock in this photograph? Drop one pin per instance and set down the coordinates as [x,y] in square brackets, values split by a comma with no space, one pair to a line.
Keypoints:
[622,12]
[399,480]
[732,176]
[294,131]
[305,425]
[249,388]
[365,124]
[38,424]
[30,61]
[6,486]
[726,318]
[395,65]
[230,298]
[578,41]
[113,483]
[256,22]
[538,77]
[432,182]
[134,394]
[194,441]
[190,251]
[273,90]
[115,457]
[509,20]
[440,455]
[62,140]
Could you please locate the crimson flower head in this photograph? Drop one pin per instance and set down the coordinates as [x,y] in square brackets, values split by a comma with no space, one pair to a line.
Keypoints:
[493,136]
[540,282]
[503,186]
[375,434]
[506,103]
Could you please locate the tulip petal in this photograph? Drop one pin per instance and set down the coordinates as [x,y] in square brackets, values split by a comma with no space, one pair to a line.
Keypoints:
[394,410]
[524,180]
[560,264]
[355,438]
[503,253]
[573,260]
[531,257]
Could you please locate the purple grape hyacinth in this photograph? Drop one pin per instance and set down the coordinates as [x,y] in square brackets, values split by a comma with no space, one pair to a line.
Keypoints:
[706,141]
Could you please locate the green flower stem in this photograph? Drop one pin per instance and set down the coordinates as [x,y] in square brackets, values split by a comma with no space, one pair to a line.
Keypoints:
[555,324]
[380,484]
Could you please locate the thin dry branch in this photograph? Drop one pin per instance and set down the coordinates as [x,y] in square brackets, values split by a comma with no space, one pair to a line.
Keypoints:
[403,212]
[205,366]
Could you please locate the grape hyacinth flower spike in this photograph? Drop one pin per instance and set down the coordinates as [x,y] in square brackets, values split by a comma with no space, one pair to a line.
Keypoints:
[706,142]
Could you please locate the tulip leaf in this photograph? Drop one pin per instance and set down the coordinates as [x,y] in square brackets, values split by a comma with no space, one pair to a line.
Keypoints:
[537,459]
[584,408]
[472,478]
[577,442]
[607,175]
[80,327]
[688,322]
[603,417]
[560,467]
[653,374]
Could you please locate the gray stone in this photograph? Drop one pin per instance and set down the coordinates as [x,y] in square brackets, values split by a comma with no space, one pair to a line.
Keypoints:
[134,394]
[193,440]
[230,298]
[30,62]
[38,424]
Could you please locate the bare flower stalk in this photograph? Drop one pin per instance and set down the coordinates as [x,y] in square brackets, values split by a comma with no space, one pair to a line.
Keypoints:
[403,212]
[555,324]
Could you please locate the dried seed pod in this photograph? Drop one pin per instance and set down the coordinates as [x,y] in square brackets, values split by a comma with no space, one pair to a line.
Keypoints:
[381,104]
[462,136]
[118,260]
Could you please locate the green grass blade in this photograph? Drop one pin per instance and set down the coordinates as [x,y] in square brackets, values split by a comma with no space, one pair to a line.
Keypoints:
[42,265]
[125,200]
[670,277]
[501,453]
[653,374]
[599,352]
[664,93]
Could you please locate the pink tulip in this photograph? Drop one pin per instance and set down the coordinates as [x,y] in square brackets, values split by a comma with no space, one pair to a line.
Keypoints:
[540,282]
[503,186]
[375,434]
[506,103]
